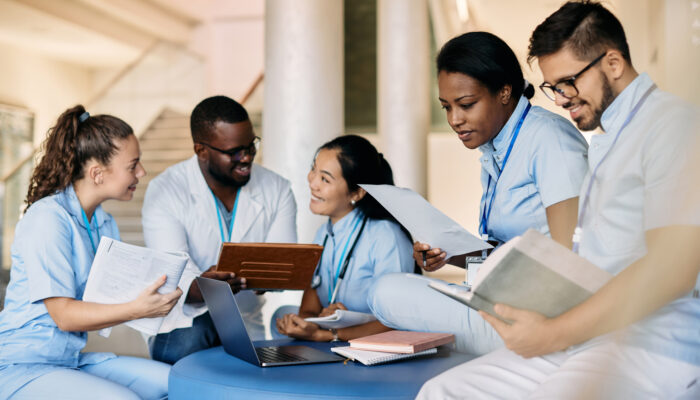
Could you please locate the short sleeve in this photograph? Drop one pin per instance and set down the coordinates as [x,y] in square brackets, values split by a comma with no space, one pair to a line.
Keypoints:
[44,244]
[392,251]
[559,163]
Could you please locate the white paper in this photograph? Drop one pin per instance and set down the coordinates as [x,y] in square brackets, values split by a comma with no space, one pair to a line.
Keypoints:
[342,319]
[377,357]
[426,223]
[121,271]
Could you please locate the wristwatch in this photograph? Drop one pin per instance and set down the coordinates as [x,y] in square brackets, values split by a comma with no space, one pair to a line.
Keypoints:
[334,332]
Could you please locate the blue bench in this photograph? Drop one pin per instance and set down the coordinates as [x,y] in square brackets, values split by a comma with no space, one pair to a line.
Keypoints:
[214,374]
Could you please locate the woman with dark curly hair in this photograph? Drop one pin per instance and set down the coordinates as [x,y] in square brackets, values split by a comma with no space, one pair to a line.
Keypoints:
[43,327]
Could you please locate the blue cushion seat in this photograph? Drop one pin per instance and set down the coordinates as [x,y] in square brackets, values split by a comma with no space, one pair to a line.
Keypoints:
[214,374]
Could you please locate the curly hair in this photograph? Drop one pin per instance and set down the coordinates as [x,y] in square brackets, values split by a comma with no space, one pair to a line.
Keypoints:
[70,143]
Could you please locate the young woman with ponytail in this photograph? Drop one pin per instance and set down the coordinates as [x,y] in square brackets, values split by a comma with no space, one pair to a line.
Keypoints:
[360,238]
[43,326]
[532,165]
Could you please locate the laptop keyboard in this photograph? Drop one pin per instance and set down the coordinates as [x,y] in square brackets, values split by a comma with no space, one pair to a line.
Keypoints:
[276,355]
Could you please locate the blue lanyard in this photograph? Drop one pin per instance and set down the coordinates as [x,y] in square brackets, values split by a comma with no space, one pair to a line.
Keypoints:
[487,213]
[334,282]
[577,232]
[97,230]
[233,216]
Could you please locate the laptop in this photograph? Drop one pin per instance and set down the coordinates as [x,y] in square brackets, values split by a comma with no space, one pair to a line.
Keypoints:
[228,322]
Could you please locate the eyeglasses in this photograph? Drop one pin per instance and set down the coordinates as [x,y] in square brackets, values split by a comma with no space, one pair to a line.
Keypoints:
[237,153]
[566,87]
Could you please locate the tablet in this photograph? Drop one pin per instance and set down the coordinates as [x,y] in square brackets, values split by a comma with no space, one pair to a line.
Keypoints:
[271,265]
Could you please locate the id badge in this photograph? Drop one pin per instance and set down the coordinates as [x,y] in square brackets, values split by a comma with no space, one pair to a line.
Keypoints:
[471,271]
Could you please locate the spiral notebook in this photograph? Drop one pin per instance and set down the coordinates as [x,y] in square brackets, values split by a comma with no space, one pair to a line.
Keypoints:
[367,357]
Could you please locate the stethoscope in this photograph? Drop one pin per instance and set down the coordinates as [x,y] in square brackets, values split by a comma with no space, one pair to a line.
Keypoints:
[316,281]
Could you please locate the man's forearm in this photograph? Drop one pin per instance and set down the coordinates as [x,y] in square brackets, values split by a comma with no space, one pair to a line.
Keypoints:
[667,272]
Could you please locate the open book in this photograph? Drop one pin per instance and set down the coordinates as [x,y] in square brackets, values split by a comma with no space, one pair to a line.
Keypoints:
[531,272]
[120,272]
[342,319]
[377,357]
[407,342]
[426,223]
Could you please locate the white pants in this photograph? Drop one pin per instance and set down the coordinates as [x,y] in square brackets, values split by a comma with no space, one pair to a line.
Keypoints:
[603,371]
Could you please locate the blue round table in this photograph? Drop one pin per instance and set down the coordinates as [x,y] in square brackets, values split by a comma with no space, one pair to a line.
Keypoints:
[214,374]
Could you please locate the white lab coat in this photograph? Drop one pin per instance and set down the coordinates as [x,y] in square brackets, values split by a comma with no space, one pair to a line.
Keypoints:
[179,214]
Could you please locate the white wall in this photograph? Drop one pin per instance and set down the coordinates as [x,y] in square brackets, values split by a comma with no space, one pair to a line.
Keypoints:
[42,85]
[231,38]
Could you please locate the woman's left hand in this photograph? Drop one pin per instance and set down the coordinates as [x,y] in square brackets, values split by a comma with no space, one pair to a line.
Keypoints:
[296,327]
[530,334]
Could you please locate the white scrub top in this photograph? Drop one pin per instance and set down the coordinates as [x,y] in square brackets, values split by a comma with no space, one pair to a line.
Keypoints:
[179,214]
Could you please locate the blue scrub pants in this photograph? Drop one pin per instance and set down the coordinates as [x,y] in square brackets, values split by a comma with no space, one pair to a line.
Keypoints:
[406,302]
[123,378]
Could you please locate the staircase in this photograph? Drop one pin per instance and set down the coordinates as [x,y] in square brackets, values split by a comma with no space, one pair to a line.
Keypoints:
[166,142]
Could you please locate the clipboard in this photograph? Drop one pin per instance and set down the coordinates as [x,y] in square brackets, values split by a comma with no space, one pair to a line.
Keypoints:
[267,266]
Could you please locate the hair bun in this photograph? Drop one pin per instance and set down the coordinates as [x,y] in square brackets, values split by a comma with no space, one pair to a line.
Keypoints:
[529,90]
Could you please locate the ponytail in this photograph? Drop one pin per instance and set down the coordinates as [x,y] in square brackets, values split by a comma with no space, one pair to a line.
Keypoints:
[75,139]
[361,163]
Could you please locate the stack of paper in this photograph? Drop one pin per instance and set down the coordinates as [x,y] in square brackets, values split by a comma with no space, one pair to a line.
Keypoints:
[120,272]
[342,319]
[376,357]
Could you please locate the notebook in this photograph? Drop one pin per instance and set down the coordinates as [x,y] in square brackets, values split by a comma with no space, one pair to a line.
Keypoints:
[406,342]
[229,324]
[377,357]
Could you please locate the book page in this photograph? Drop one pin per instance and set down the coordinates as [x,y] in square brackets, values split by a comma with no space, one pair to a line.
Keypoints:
[426,223]
[120,272]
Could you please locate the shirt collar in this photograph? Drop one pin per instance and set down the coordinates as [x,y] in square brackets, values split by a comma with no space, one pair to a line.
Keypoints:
[499,144]
[72,205]
[617,112]
[344,224]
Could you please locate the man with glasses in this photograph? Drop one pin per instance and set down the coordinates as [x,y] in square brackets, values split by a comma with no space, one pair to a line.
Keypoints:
[639,219]
[219,195]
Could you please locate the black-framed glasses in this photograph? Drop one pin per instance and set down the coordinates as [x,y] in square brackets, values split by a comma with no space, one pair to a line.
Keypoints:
[566,87]
[237,153]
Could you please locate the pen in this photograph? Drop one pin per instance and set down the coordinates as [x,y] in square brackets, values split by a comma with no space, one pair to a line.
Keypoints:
[425,260]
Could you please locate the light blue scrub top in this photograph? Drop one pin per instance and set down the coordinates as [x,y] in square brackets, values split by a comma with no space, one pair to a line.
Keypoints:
[382,248]
[648,181]
[547,165]
[51,257]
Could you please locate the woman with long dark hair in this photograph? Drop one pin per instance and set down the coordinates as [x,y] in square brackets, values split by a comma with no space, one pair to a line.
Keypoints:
[43,327]
[361,240]
[532,165]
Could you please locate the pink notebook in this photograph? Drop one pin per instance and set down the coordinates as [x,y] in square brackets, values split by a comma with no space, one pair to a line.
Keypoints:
[402,341]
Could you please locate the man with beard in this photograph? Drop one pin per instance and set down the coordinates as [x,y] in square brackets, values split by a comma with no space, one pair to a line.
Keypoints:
[639,219]
[216,196]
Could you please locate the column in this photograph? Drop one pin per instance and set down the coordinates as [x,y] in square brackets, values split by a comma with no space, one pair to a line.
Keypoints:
[303,91]
[403,76]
